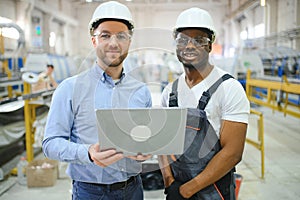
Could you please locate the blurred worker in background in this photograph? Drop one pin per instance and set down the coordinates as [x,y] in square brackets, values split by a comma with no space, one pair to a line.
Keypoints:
[204,171]
[71,133]
[46,80]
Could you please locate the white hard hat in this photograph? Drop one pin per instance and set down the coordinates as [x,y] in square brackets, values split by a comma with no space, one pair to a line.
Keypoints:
[195,18]
[111,10]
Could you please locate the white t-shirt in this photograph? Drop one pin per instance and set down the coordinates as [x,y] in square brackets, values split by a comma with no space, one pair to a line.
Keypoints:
[229,102]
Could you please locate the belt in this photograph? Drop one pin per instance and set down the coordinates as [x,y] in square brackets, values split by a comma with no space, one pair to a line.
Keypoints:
[118,185]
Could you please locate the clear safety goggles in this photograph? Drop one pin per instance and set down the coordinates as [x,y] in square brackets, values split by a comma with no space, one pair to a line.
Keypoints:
[183,41]
[106,37]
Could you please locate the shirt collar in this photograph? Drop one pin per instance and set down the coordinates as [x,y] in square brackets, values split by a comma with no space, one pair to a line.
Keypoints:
[100,74]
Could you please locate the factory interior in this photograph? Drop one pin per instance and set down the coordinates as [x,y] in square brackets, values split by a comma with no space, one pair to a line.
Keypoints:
[257,42]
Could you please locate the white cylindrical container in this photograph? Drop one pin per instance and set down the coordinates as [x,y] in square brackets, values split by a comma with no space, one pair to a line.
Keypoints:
[22,179]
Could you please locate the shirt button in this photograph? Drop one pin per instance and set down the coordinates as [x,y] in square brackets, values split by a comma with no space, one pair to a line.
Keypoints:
[102,79]
[122,169]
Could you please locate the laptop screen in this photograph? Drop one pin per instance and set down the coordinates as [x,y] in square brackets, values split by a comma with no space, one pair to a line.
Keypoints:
[158,131]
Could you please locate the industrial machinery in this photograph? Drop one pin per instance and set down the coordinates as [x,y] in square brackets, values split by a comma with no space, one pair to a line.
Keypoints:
[11,110]
[36,63]
[23,115]
[274,79]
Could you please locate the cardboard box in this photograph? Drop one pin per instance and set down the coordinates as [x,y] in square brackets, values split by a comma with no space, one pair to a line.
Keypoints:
[38,176]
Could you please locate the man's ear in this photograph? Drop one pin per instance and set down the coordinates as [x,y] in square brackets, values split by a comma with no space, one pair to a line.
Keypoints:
[209,47]
[94,41]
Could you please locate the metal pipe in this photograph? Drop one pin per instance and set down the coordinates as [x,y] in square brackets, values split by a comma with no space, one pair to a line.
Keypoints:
[21,40]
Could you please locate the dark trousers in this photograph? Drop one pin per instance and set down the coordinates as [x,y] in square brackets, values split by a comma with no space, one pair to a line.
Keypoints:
[92,191]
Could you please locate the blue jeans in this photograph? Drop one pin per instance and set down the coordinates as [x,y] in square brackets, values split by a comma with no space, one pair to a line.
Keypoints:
[88,191]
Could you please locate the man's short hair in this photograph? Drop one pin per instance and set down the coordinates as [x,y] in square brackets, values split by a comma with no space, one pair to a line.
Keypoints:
[50,65]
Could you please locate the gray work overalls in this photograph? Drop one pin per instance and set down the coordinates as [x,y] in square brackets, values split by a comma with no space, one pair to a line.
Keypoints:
[201,145]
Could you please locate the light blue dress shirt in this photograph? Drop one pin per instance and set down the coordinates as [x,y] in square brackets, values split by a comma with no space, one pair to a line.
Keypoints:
[71,124]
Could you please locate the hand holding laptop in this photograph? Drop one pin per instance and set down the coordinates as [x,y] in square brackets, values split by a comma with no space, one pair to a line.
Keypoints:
[106,157]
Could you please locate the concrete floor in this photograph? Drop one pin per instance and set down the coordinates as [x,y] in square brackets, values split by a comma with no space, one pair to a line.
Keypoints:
[282,167]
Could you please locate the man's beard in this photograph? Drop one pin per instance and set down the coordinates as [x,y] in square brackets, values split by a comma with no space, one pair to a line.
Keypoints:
[115,62]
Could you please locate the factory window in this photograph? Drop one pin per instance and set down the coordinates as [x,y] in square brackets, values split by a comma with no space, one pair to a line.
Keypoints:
[52,39]
[259,30]
[244,35]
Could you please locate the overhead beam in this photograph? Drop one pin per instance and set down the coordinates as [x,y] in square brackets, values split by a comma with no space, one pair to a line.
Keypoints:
[58,15]
[170,4]
[242,8]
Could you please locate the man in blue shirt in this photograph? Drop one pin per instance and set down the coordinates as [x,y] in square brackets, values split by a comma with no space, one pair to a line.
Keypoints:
[71,133]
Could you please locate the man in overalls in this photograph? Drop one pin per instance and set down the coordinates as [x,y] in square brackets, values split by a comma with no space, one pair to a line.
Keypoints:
[217,116]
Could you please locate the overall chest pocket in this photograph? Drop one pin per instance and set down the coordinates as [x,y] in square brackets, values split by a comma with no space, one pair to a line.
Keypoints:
[200,139]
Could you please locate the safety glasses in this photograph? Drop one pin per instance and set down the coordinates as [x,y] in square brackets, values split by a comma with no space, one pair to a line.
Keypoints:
[106,37]
[183,41]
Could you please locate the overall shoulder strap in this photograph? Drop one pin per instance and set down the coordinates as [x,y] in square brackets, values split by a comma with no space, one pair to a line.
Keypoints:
[208,93]
[173,100]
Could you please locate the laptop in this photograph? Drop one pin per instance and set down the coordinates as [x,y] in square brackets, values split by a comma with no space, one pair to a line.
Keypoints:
[156,131]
